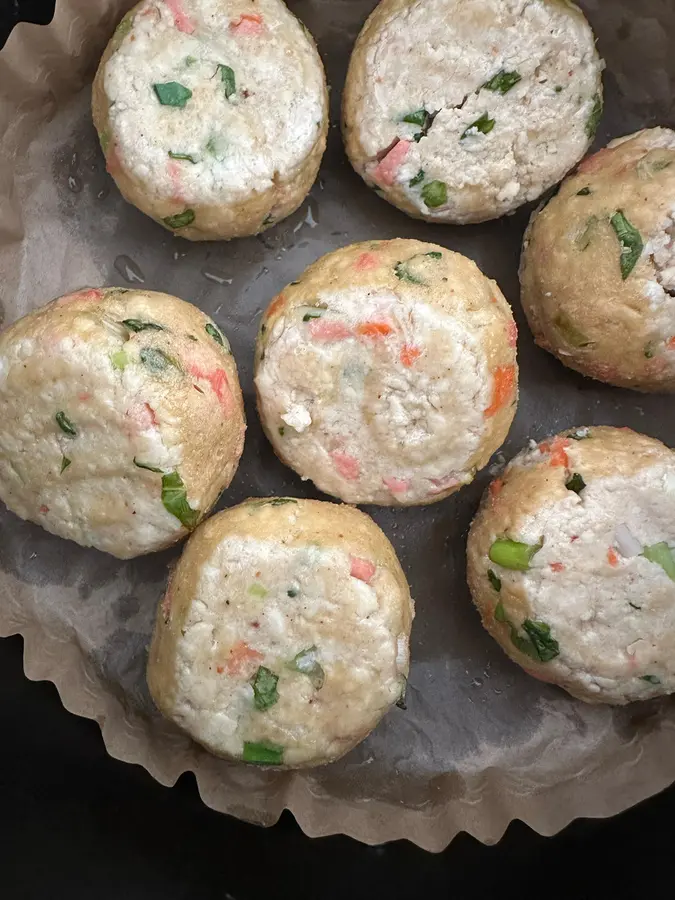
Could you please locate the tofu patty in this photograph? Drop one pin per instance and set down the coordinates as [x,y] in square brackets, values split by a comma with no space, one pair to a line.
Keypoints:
[212,114]
[598,265]
[463,110]
[387,374]
[121,418]
[571,562]
[283,636]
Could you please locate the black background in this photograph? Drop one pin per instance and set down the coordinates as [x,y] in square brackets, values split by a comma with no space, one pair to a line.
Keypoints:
[75,823]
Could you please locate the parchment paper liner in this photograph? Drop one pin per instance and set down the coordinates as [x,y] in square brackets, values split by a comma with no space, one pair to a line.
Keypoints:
[481,744]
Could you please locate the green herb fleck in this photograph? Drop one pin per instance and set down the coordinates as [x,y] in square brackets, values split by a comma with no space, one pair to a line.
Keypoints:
[514,554]
[630,240]
[282,431]
[500,612]
[434,194]
[569,331]
[257,590]
[416,118]
[536,643]
[157,360]
[583,239]
[292,592]
[416,179]
[137,325]
[662,555]
[595,116]
[65,424]
[650,679]
[190,61]
[584,192]
[483,125]
[576,483]
[649,351]
[494,580]
[228,79]
[186,156]
[434,254]
[306,662]
[65,462]
[174,498]
[265,692]
[503,81]
[263,753]
[652,164]
[172,94]
[274,501]
[213,332]
[558,89]
[119,359]
[269,219]
[180,220]
[311,314]
[402,271]
[142,465]
[424,119]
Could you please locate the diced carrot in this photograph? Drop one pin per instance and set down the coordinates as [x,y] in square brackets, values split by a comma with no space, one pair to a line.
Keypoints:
[512,334]
[180,18]
[612,557]
[85,294]
[671,343]
[409,354]
[328,330]
[241,655]
[496,487]
[366,261]
[44,509]
[220,385]
[176,177]
[374,329]
[387,169]
[557,567]
[504,381]
[151,413]
[442,484]
[363,569]
[84,397]
[347,465]
[248,23]
[276,305]
[396,485]
[558,454]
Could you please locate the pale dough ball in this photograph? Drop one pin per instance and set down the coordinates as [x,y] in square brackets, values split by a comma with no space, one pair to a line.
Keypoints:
[212,114]
[387,374]
[462,110]
[571,562]
[283,636]
[121,418]
[598,265]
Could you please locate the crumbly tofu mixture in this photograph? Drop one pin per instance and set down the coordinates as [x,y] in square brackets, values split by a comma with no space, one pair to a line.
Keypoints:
[211,100]
[375,396]
[287,653]
[470,108]
[100,396]
[599,588]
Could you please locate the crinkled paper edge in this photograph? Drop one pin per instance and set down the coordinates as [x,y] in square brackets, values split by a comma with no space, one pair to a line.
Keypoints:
[36,71]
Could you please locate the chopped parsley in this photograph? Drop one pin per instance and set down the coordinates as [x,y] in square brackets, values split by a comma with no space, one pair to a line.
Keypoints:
[594,118]
[282,431]
[265,692]
[503,81]
[307,663]
[424,119]
[630,240]
[576,483]
[483,125]
[142,465]
[583,239]
[180,220]
[263,753]
[416,179]
[137,325]
[494,580]
[65,424]
[186,156]
[65,462]
[536,643]
[584,192]
[650,679]
[172,93]
[228,79]
[213,332]
[157,360]
[174,498]
[402,271]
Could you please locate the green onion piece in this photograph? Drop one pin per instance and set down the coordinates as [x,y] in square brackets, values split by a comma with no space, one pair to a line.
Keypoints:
[142,465]
[650,679]
[228,79]
[213,332]
[265,692]
[595,116]
[65,462]
[483,125]
[416,179]
[434,254]
[180,220]
[434,194]
[662,555]
[576,483]
[257,590]
[312,315]
[65,424]
[418,117]
[494,580]
[119,359]
[156,360]
[584,192]
[570,332]
[137,325]
[630,240]
[172,94]
[263,753]
[503,81]
[514,554]
[186,156]
[174,498]
[306,662]
[402,271]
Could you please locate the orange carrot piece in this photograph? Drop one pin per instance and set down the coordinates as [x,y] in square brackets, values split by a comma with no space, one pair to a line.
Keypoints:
[240,656]
[409,354]
[275,306]
[502,391]
[612,557]
[363,569]
[374,329]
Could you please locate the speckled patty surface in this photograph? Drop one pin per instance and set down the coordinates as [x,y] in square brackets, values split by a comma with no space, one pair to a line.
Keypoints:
[571,562]
[387,373]
[212,113]
[462,110]
[598,265]
[121,418]
[283,637]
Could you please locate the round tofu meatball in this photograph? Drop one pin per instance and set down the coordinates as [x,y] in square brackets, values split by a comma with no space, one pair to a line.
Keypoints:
[462,110]
[283,636]
[121,418]
[388,373]
[598,265]
[571,563]
[212,114]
